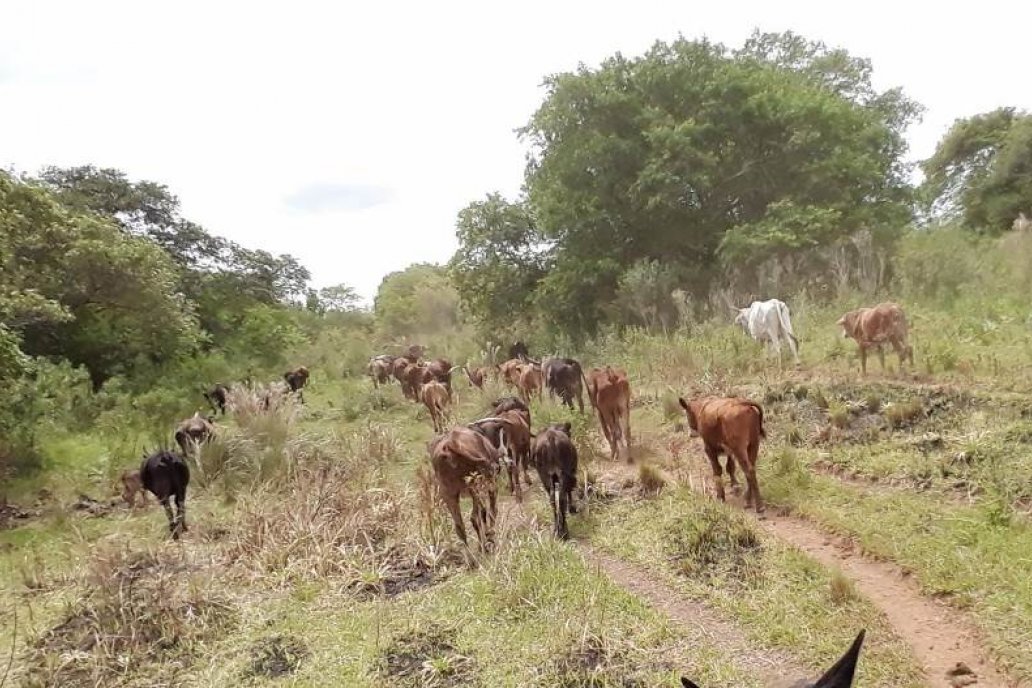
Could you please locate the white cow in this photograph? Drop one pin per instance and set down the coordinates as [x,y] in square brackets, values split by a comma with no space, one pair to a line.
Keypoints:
[768,321]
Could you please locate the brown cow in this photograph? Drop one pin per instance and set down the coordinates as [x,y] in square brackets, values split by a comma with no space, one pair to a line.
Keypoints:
[733,427]
[509,372]
[132,485]
[465,462]
[872,327]
[398,369]
[194,431]
[555,458]
[610,394]
[530,382]
[416,375]
[441,369]
[476,376]
[509,432]
[434,396]
[297,380]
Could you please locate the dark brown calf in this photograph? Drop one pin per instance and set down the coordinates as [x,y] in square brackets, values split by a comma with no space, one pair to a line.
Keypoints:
[733,427]
[464,462]
[297,380]
[434,396]
[555,458]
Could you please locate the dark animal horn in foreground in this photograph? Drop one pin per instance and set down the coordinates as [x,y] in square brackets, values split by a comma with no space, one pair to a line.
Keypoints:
[687,684]
[841,674]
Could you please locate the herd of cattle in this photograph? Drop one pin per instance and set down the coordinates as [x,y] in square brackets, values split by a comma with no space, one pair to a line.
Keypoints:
[467,458]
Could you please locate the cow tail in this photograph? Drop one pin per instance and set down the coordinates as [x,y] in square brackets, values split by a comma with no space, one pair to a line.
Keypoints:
[759,410]
[556,487]
[786,323]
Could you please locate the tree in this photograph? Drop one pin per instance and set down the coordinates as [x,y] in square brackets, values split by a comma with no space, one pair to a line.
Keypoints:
[417,300]
[671,155]
[981,172]
[499,262]
[77,287]
[340,297]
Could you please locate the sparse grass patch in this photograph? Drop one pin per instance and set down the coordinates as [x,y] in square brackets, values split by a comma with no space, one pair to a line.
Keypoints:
[904,413]
[650,479]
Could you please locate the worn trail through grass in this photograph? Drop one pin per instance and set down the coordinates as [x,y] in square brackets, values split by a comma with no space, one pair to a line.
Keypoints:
[939,636]
[696,619]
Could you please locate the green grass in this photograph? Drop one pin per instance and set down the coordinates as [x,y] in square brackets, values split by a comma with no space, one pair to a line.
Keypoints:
[781,598]
[978,558]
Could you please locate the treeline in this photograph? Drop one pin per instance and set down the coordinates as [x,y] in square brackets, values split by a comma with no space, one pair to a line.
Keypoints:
[658,185]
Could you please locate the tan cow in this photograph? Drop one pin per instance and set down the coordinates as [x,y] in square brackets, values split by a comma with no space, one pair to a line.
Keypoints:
[132,485]
[733,427]
[464,462]
[610,394]
[509,372]
[530,382]
[873,327]
[435,397]
[193,432]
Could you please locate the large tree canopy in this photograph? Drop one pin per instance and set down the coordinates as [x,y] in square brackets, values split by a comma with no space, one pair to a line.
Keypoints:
[75,286]
[694,156]
[418,300]
[981,172]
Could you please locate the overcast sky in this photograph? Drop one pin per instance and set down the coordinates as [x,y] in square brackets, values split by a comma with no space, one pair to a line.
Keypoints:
[349,134]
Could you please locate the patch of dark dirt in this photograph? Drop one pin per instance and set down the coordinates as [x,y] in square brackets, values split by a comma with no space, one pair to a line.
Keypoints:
[276,656]
[426,657]
[93,508]
[13,516]
[593,663]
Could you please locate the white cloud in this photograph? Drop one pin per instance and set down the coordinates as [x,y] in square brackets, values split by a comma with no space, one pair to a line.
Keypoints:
[239,106]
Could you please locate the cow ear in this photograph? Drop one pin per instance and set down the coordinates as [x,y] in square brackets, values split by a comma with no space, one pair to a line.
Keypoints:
[683,403]
[567,427]
[688,684]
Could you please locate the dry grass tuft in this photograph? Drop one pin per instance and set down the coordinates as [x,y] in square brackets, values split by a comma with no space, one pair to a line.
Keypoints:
[651,479]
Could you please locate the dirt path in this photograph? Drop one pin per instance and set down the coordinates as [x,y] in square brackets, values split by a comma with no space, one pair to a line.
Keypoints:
[939,636]
[697,620]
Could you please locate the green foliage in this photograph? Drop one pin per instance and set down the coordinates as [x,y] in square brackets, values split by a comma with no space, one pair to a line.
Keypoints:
[693,152]
[499,261]
[645,294]
[936,263]
[981,171]
[419,300]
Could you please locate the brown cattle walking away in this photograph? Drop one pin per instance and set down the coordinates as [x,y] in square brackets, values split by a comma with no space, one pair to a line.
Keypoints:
[217,397]
[610,394]
[509,371]
[434,396]
[733,427]
[132,486]
[873,327]
[564,376]
[504,404]
[464,462]
[840,675]
[476,376]
[530,382]
[441,370]
[555,459]
[416,375]
[193,432]
[380,369]
[509,432]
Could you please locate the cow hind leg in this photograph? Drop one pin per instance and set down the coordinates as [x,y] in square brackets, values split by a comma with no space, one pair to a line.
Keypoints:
[718,480]
[881,356]
[167,506]
[564,506]
[451,503]
[863,360]
[732,474]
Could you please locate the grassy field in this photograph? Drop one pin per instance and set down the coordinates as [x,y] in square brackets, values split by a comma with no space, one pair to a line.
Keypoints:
[317,555]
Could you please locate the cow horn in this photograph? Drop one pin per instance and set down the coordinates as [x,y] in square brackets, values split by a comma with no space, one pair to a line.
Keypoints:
[454,368]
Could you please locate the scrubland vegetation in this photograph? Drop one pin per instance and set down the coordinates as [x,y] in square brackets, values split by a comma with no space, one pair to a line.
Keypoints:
[318,554]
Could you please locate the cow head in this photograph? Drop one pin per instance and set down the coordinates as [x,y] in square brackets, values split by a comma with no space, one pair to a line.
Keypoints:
[741,316]
[848,323]
[565,428]
[693,422]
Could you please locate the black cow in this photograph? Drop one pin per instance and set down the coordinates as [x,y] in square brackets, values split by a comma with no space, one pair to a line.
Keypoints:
[296,380]
[217,397]
[166,475]
[519,350]
[555,458]
[564,376]
[838,676]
